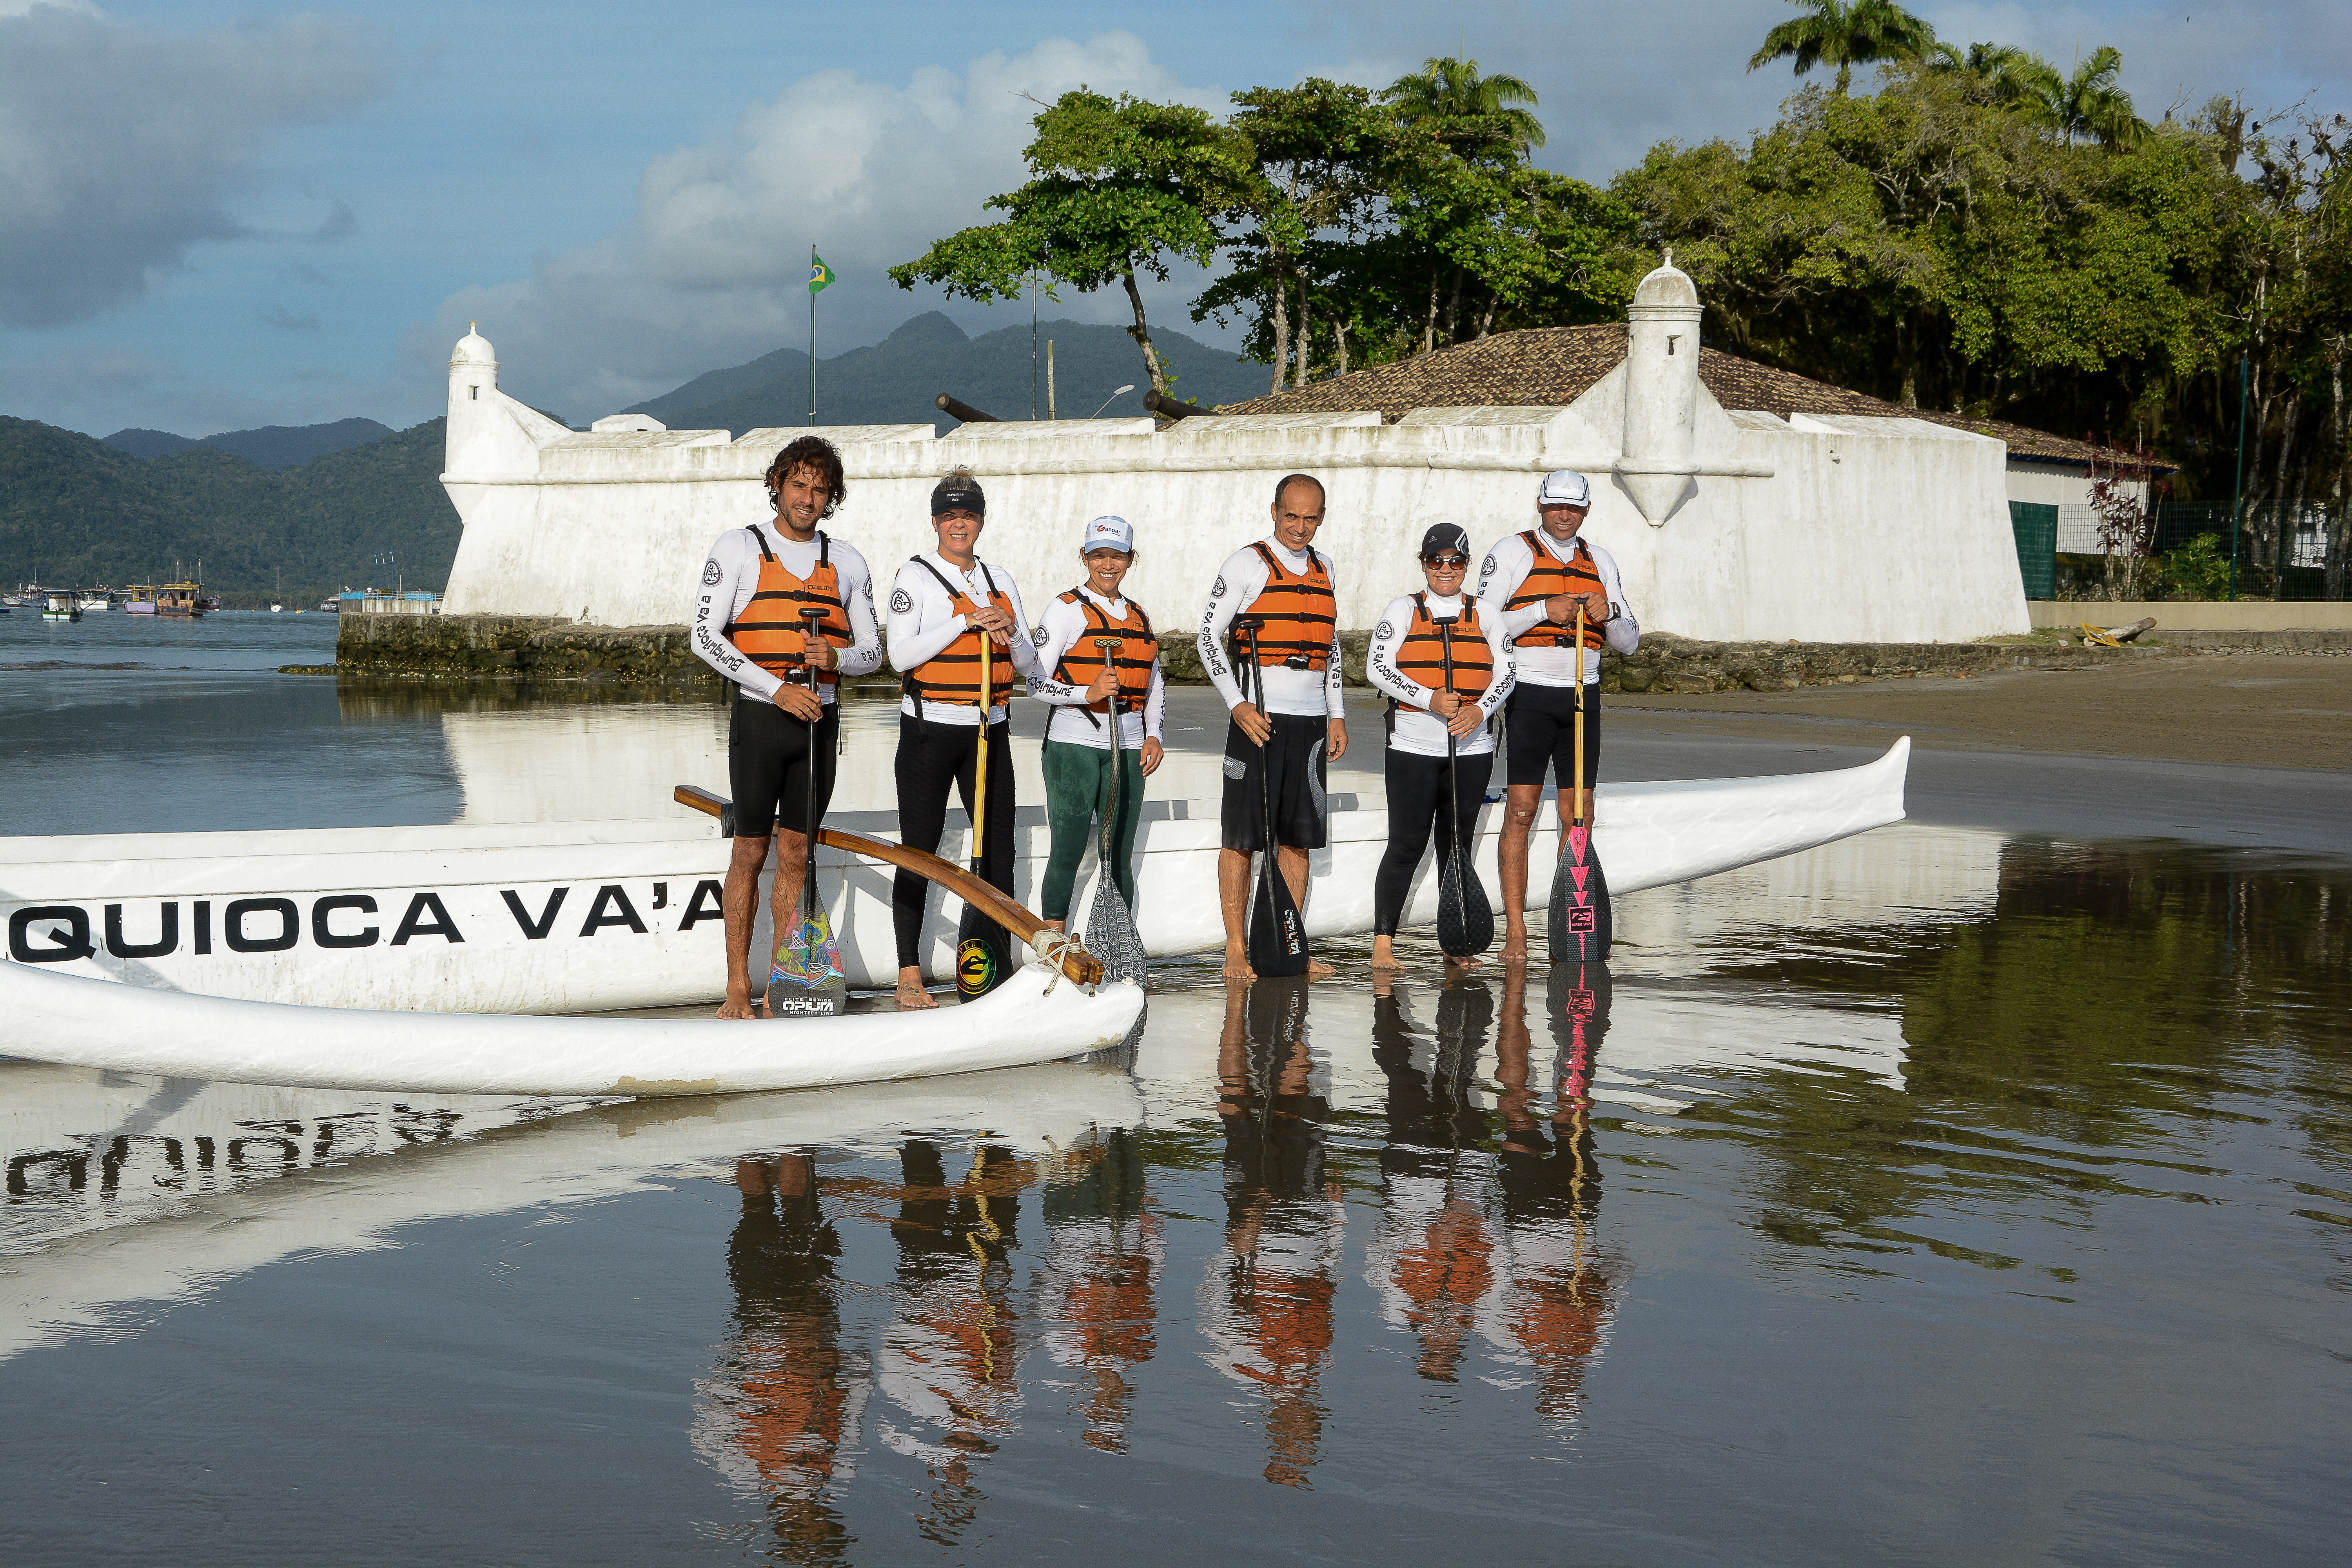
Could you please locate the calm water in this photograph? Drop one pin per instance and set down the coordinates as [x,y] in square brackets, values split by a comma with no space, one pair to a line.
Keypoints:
[1937,1197]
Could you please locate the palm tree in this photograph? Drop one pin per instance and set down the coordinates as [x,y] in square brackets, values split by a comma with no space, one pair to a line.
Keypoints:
[1847,34]
[1448,91]
[2091,103]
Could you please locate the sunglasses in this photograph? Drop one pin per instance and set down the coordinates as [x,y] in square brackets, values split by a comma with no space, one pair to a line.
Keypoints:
[1445,563]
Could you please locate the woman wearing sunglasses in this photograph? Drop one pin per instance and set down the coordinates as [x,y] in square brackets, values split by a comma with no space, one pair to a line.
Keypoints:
[1417,638]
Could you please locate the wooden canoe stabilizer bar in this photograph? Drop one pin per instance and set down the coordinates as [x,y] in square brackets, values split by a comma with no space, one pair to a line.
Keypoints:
[1077,964]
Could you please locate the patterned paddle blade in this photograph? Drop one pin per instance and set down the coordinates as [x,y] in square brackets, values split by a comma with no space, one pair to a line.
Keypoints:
[1578,925]
[1111,935]
[805,981]
[1466,921]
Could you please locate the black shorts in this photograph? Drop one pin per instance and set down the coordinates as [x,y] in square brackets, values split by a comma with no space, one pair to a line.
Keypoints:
[1540,731]
[768,768]
[1294,779]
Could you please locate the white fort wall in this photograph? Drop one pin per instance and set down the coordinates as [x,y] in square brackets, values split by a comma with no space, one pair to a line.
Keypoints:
[1830,530]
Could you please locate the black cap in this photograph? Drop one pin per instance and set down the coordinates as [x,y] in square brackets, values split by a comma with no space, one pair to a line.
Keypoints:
[1445,536]
[959,492]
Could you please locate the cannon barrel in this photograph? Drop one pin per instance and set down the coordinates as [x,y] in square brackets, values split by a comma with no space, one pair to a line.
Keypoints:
[1169,408]
[960,409]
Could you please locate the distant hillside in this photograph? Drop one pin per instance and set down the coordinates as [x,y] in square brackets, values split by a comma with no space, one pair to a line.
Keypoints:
[895,381]
[74,510]
[271,446]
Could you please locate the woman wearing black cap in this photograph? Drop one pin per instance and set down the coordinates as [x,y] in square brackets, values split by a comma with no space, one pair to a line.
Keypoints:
[1407,659]
[943,603]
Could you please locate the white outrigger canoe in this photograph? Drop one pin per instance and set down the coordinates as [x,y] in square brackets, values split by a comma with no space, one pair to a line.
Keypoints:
[552,918]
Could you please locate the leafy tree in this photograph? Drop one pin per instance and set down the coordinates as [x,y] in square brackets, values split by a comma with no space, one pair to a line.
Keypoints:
[1120,187]
[1485,117]
[1846,34]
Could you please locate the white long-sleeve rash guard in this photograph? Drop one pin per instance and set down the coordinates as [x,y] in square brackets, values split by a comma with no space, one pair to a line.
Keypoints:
[1060,628]
[1506,566]
[731,574]
[1423,734]
[924,620]
[1241,579]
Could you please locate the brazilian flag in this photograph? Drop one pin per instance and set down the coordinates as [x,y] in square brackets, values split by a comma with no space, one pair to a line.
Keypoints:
[820,275]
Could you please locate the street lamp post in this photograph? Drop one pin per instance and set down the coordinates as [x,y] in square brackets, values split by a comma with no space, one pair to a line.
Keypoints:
[1114,397]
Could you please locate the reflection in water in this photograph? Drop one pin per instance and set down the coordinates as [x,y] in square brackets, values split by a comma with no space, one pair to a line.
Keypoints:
[782,1405]
[1265,1301]
[1099,1282]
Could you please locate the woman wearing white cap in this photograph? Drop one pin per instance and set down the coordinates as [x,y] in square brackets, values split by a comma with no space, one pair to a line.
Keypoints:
[1441,657]
[1078,680]
[1533,581]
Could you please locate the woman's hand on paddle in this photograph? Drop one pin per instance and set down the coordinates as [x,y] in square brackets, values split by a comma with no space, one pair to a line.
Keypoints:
[1446,704]
[800,702]
[1106,685]
[1464,721]
[818,652]
[1152,753]
[994,620]
[1254,724]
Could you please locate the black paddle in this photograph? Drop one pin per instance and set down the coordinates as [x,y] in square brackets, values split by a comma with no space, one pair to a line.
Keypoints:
[805,981]
[1466,921]
[1578,926]
[1111,935]
[983,960]
[1277,937]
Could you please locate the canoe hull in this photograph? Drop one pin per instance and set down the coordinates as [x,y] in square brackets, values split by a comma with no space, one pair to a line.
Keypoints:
[555,918]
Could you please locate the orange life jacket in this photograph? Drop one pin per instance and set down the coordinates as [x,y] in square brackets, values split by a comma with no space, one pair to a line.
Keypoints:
[953,674]
[1422,654]
[767,629]
[1081,662]
[1299,613]
[1548,577]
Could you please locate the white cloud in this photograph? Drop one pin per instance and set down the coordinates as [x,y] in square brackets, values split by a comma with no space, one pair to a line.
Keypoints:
[121,147]
[712,267]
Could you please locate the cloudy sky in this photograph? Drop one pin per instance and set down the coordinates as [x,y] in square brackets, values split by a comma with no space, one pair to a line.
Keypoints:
[217,215]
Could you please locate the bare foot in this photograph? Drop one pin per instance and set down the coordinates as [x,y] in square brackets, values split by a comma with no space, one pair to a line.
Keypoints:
[1056,925]
[1463,965]
[1383,954]
[1318,970]
[738,1005]
[1515,949]
[911,997]
[1237,963]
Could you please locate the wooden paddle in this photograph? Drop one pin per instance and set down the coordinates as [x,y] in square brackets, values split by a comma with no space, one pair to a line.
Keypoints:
[983,960]
[1278,936]
[1578,926]
[1466,921]
[804,981]
[1110,923]
[1074,960]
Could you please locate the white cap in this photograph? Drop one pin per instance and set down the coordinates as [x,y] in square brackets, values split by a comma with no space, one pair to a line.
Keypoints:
[1564,486]
[1109,533]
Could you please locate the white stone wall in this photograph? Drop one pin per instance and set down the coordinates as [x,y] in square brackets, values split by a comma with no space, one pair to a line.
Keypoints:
[1846,530]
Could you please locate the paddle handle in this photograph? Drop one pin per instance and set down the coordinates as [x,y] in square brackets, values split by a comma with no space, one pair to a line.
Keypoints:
[1576,767]
[980,757]
[1109,647]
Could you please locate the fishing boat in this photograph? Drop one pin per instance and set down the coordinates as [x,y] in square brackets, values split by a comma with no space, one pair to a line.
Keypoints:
[59,606]
[139,599]
[94,599]
[182,599]
[543,917]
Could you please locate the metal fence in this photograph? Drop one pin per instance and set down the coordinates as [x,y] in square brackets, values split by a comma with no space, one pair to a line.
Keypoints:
[2278,545]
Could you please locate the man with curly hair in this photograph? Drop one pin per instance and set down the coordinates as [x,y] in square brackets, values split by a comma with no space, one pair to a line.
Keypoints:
[783,734]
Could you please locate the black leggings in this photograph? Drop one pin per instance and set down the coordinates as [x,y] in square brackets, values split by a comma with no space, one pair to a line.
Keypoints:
[930,758]
[1416,805]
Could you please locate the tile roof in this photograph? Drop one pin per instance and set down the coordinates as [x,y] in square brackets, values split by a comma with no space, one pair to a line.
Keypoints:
[1560,364]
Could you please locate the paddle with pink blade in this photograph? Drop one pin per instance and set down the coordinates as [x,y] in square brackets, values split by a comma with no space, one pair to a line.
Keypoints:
[1578,924]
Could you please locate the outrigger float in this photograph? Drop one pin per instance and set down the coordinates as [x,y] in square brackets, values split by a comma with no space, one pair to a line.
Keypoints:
[388,937]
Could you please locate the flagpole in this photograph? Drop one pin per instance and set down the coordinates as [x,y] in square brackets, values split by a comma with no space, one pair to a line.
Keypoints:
[812,335]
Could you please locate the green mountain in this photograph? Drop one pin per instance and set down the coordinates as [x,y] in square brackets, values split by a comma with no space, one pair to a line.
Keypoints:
[74,510]
[895,381]
[271,445]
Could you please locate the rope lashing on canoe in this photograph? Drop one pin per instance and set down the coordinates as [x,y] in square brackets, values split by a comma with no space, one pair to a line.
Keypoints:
[1058,949]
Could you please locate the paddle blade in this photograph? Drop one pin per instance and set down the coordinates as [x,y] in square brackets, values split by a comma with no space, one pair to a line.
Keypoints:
[1111,935]
[983,955]
[1466,921]
[805,981]
[1578,926]
[1277,937]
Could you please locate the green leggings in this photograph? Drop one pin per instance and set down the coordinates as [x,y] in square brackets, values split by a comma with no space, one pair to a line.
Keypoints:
[1076,778]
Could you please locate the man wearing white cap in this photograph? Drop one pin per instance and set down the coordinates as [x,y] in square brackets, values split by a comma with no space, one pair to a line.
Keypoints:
[1079,679]
[1533,582]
